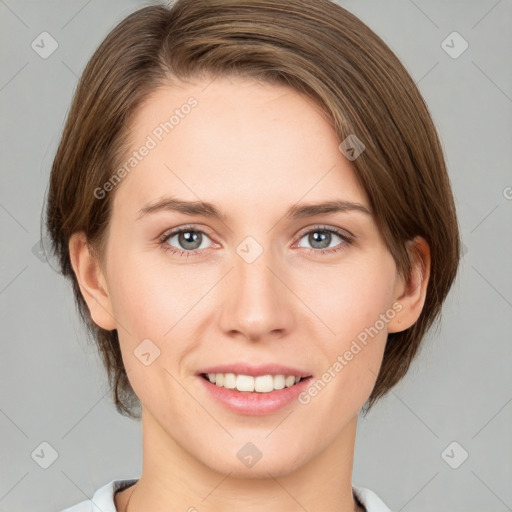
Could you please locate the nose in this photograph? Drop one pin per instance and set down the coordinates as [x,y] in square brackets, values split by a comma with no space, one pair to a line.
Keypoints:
[257,302]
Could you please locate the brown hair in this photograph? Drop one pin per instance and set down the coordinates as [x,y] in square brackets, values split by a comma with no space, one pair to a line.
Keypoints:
[317,48]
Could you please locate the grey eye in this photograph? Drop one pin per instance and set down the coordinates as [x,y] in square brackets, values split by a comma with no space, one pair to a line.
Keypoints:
[188,239]
[320,238]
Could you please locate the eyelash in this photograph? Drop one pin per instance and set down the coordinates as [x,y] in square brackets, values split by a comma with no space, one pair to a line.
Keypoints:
[180,252]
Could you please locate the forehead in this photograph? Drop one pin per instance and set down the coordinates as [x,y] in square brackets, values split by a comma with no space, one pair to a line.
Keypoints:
[235,142]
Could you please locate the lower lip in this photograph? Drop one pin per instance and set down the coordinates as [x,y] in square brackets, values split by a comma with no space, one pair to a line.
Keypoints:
[255,404]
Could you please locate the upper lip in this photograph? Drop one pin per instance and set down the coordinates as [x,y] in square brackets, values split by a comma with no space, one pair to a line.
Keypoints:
[255,370]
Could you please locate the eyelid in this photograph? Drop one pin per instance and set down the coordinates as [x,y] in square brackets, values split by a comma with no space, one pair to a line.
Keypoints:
[326,227]
[192,227]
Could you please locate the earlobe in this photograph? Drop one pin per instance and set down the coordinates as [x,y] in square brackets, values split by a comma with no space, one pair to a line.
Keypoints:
[91,281]
[411,295]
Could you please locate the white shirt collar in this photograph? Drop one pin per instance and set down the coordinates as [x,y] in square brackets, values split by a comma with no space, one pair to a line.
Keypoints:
[103,499]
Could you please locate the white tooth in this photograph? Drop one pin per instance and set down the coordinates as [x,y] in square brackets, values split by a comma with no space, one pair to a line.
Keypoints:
[245,383]
[289,381]
[230,381]
[264,384]
[260,384]
[279,381]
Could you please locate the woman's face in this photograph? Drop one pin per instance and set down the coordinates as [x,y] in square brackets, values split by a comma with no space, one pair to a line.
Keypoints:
[253,286]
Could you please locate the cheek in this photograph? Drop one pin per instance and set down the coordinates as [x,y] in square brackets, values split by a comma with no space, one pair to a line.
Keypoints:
[353,302]
[150,306]
[160,302]
[349,297]
[149,299]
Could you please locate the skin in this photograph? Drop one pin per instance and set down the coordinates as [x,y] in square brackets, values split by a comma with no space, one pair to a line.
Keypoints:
[253,150]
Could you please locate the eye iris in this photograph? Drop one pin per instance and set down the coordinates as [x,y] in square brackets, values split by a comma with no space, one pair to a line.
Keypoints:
[321,236]
[189,237]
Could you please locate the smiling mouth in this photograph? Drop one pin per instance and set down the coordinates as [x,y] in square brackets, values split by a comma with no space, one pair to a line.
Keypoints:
[248,383]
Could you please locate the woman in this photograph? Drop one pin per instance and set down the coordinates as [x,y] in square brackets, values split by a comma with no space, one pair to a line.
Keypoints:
[251,202]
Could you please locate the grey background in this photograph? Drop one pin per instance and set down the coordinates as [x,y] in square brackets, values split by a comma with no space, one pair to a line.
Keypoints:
[460,389]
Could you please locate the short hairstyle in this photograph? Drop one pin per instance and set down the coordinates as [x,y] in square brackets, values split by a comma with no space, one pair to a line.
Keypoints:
[317,48]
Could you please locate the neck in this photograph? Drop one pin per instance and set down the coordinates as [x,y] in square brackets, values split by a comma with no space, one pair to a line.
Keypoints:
[174,480]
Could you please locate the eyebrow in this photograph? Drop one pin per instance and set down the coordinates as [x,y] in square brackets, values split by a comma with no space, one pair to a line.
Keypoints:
[297,211]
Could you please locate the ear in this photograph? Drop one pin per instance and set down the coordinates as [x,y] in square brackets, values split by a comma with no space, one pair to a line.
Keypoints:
[411,295]
[91,281]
